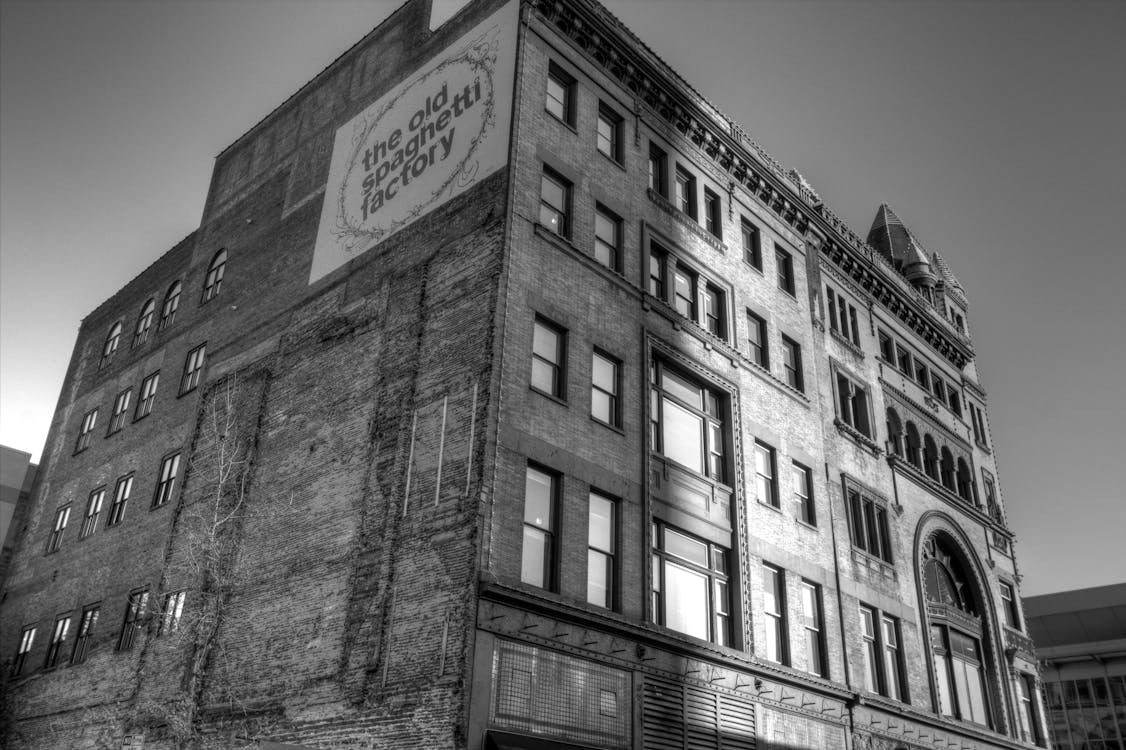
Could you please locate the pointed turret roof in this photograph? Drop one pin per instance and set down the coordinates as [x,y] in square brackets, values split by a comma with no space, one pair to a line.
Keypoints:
[949,280]
[891,238]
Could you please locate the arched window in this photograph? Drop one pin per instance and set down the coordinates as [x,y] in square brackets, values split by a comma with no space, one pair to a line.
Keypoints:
[961,654]
[112,340]
[913,444]
[144,323]
[171,304]
[214,280]
[946,469]
[895,432]
[930,458]
[966,489]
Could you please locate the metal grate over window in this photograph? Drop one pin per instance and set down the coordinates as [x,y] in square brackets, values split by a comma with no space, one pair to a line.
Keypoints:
[547,693]
[684,717]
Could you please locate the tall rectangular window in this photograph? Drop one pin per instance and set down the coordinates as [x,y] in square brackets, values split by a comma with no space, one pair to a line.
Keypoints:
[766,482]
[715,311]
[602,545]
[774,615]
[120,408]
[93,511]
[609,132]
[658,170]
[691,592]
[887,348]
[89,419]
[922,377]
[27,640]
[852,405]
[684,291]
[148,395]
[658,271]
[752,244]
[82,638]
[555,203]
[712,213]
[791,364]
[607,238]
[166,484]
[883,656]
[549,344]
[893,658]
[685,191]
[131,623]
[687,422]
[605,386]
[813,624]
[193,369]
[869,525]
[903,360]
[868,619]
[803,494]
[785,271]
[171,609]
[541,491]
[560,99]
[1029,725]
[120,499]
[58,528]
[757,341]
[1009,610]
[58,641]
[842,316]
[977,417]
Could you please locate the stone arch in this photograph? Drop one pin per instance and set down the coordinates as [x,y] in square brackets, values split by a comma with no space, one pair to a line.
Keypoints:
[966,489]
[930,457]
[895,431]
[946,469]
[913,446]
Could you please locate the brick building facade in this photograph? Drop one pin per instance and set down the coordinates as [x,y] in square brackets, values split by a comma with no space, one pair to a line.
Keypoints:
[620,439]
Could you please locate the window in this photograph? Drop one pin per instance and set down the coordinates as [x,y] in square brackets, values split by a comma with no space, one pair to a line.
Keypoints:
[687,422]
[82,639]
[193,369]
[803,494]
[757,341]
[752,244]
[684,291]
[813,623]
[607,238]
[89,419]
[774,611]
[913,455]
[922,377]
[169,467]
[715,311]
[785,271]
[555,203]
[852,405]
[609,133]
[55,539]
[991,506]
[144,323]
[658,268]
[93,510]
[691,593]
[549,347]
[965,483]
[791,364]
[541,490]
[605,385]
[658,171]
[131,624]
[842,316]
[954,401]
[977,418]
[120,408]
[895,433]
[766,483]
[930,458]
[58,640]
[939,385]
[171,607]
[883,657]
[1029,724]
[712,219]
[601,550]
[685,191]
[868,521]
[171,304]
[887,348]
[903,358]
[27,639]
[120,499]
[560,100]
[148,395]
[1009,611]
[112,340]
[213,282]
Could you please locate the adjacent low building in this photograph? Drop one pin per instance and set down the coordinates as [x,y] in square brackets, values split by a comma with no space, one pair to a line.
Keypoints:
[508,395]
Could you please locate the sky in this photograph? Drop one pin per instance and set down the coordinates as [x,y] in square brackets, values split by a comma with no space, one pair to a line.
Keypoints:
[994,129]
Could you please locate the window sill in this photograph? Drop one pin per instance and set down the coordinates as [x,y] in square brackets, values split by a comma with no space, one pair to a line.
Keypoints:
[620,164]
[554,118]
[851,432]
[550,396]
[847,343]
[886,569]
[808,525]
[139,418]
[612,427]
[687,220]
[772,507]
[753,267]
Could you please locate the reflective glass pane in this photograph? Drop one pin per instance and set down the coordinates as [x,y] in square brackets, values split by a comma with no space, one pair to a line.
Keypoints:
[538,499]
[545,343]
[601,406]
[685,390]
[686,548]
[598,576]
[534,564]
[683,437]
[543,376]
[601,529]
[603,373]
[686,601]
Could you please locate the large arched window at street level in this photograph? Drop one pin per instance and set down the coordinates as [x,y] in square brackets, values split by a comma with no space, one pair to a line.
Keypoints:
[958,633]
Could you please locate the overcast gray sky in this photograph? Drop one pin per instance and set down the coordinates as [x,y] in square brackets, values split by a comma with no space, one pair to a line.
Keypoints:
[994,129]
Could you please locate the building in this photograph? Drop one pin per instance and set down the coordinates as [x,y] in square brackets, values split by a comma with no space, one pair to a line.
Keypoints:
[1081,642]
[17,474]
[509,396]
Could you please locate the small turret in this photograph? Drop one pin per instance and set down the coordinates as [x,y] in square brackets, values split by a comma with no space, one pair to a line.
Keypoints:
[891,238]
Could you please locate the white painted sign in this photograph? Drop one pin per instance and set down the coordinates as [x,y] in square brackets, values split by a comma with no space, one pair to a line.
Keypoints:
[433,137]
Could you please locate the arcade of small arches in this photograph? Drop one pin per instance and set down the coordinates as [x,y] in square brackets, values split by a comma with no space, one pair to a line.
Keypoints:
[922,451]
